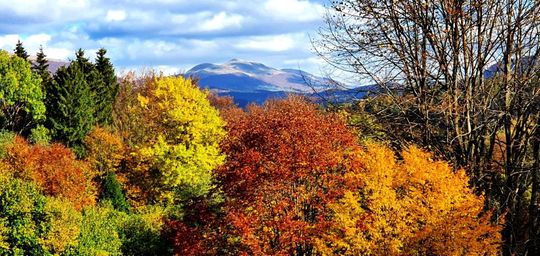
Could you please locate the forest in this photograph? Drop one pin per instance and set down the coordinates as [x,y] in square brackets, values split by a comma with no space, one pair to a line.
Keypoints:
[443,159]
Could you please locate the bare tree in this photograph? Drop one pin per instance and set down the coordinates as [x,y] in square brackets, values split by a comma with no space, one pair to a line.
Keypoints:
[462,78]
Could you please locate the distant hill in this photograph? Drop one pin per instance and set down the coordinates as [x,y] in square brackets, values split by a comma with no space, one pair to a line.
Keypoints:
[244,76]
[252,82]
[255,82]
[54,64]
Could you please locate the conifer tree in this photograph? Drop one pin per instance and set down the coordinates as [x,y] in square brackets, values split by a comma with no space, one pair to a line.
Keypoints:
[106,94]
[70,105]
[20,51]
[112,190]
[41,67]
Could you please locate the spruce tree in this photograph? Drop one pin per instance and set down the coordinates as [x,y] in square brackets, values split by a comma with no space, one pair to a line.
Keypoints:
[112,190]
[41,67]
[20,51]
[106,94]
[92,76]
[70,106]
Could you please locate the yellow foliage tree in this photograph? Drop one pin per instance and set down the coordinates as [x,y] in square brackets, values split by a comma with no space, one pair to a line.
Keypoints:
[416,206]
[180,148]
[105,150]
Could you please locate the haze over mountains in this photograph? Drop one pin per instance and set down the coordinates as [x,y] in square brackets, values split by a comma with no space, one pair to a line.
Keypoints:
[245,76]
[248,81]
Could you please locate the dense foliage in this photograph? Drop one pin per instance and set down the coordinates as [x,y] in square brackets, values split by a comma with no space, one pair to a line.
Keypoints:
[460,78]
[152,165]
[21,95]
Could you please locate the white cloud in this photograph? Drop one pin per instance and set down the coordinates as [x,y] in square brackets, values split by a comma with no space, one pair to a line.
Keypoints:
[115,15]
[31,43]
[58,53]
[7,42]
[294,10]
[167,34]
[221,21]
[278,43]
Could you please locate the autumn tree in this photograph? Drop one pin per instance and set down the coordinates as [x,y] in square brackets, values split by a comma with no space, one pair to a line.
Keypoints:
[176,144]
[105,153]
[54,169]
[461,78]
[415,206]
[285,164]
[21,95]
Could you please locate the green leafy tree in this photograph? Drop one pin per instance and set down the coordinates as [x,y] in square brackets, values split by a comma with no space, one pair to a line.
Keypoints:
[21,96]
[99,232]
[143,232]
[23,220]
[20,51]
[106,93]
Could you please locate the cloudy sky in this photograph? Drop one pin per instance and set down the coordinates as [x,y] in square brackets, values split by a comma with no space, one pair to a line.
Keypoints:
[170,35]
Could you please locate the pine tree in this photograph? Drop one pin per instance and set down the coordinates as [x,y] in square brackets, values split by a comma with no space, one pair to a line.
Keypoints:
[92,76]
[106,94]
[41,67]
[70,106]
[20,51]
[112,190]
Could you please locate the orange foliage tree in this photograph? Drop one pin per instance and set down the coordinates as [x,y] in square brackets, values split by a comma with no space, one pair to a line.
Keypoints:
[105,150]
[53,168]
[417,206]
[286,161]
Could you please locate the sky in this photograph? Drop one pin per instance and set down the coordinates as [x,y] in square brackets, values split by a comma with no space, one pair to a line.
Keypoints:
[168,35]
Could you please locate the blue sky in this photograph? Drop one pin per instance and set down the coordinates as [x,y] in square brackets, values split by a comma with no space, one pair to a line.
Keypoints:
[169,35]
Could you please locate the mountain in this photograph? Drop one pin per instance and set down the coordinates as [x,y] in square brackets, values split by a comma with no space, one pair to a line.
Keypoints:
[54,64]
[249,81]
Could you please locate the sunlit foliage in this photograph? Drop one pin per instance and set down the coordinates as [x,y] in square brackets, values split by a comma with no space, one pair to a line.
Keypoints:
[175,158]
[416,206]
[21,97]
[54,169]
[286,162]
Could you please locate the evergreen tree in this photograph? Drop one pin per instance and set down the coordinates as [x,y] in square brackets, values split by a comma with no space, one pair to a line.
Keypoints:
[106,94]
[112,190]
[92,76]
[20,51]
[70,106]
[41,67]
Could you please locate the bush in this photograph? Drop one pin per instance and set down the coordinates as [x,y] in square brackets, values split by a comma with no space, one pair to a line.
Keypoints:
[99,232]
[143,234]
[40,135]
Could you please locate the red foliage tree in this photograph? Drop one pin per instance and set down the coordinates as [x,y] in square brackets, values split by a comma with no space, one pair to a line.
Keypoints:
[286,162]
[54,169]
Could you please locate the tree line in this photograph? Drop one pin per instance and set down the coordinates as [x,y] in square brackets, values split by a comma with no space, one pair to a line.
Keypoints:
[144,164]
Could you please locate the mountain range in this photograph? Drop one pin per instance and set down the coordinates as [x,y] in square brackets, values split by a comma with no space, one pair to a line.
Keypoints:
[248,81]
